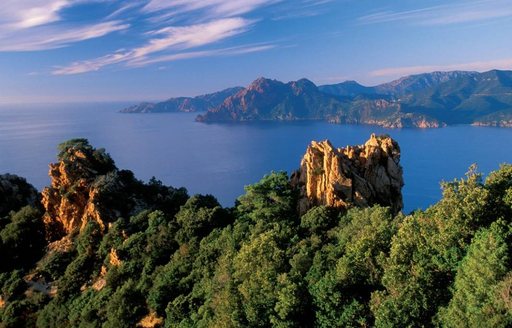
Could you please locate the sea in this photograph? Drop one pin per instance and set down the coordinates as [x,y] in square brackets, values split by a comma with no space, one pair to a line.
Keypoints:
[220,159]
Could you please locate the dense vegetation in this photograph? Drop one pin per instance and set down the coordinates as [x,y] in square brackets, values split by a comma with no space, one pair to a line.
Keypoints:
[259,264]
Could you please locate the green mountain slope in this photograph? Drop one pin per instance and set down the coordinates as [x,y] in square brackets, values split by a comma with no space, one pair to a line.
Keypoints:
[151,256]
[424,100]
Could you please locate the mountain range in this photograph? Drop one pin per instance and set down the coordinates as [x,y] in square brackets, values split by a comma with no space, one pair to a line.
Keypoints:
[184,104]
[424,100]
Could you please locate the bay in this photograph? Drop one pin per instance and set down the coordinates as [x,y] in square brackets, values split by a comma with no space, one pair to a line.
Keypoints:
[220,159]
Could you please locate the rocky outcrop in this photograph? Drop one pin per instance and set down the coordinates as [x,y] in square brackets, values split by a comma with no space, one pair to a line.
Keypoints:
[406,120]
[499,120]
[387,114]
[496,124]
[353,176]
[152,320]
[72,199]
[15,192]
[87,186]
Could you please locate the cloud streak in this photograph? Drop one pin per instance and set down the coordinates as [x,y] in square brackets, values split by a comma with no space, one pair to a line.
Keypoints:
[162,30]
[51,38]
[169,38]
[34,25]
[504,64]
[232,51]
[20,14]
[179,29]
[214,7]
[94,65]
[461,12]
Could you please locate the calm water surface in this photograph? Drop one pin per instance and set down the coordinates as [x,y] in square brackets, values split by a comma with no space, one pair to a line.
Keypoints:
[222,158]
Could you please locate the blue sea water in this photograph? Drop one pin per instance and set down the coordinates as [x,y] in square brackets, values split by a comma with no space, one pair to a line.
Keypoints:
[221,159]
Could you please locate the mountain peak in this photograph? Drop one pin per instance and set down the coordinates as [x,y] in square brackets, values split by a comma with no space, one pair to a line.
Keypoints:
[261,84]
[302,85]
[351,82]
[304,82]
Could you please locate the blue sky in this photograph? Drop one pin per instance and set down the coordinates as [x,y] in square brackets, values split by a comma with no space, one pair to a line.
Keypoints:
[115,50]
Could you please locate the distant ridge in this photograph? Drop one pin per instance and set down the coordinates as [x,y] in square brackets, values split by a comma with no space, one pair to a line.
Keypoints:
[424,100]
[266,99]
[184,104]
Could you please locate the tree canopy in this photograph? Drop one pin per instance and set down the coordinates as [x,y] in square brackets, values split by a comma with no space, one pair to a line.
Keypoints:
[189,262]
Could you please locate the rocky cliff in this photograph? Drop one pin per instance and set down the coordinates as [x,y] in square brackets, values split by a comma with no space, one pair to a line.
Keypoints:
[72,199]
[87,186]
[353,176]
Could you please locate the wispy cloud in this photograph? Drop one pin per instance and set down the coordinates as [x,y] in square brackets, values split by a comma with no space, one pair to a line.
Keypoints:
[214,7]
[505,64]
[169,38]
[180,29]
[301,9]
[458,12]
[232,51]
[33,25]
[162,30]
[94,65]
[49,37]
[20,14]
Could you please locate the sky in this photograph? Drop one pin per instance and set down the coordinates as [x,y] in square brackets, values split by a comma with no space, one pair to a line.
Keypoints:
[135,50]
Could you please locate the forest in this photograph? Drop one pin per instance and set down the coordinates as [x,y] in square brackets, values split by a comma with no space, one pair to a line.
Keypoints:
[163,258]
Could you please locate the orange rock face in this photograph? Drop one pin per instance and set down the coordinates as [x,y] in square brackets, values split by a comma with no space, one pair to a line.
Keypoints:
[86,186]
[71,200]
[353,176]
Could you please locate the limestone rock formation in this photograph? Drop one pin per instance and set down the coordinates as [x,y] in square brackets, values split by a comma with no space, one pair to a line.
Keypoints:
[353,176]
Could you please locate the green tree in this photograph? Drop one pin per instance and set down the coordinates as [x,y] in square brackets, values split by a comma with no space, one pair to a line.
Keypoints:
[270,200]
[499,184]
[352,268]
[257,268]
[426,252]
[319,220]
[125,308]
[477,298]
[199,216]
[22,240]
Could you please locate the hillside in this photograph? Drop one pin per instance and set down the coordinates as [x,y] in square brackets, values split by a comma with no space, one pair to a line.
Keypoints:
[266,99]
[425,100]
[326,247]
[270,100]
[400,87]
[184,104]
